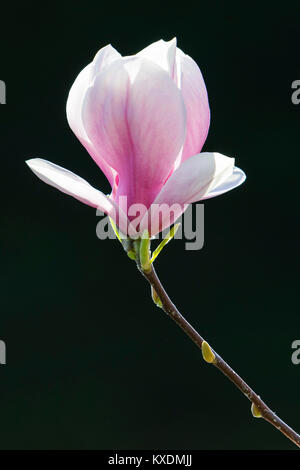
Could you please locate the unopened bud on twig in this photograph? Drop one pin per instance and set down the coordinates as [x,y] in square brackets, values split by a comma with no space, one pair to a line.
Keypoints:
[207,353]
[255,411]
[155,298]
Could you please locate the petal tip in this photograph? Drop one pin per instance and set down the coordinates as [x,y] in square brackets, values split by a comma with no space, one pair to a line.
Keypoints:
[173,40]
[30,162]
[33,162]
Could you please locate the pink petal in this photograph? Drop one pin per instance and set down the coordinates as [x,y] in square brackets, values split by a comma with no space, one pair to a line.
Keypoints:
[191,182]
[163,53]
[104,57]
[191,83]
[135,115]
[73,185]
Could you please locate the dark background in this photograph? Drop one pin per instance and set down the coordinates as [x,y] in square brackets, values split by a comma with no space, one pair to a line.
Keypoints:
[91,363]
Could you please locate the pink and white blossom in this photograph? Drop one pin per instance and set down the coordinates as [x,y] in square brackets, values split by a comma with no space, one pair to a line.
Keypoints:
[144,120]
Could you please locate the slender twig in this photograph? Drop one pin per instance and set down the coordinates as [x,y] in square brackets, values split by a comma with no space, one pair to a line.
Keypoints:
[261,408]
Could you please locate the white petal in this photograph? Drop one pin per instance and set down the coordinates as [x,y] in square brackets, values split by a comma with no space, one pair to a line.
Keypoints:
[77,93]
[67,182]
[104,57]
[233,181]
[195,178]
[191,182]
[162,53]
[192,85]
[74,102]
[73,185]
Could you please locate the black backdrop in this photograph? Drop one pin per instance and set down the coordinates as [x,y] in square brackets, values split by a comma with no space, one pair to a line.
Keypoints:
[91,363]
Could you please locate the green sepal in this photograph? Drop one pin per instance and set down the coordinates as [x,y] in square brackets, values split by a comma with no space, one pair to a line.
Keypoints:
[114,227]
[166,240]
[131,254]
[145,252]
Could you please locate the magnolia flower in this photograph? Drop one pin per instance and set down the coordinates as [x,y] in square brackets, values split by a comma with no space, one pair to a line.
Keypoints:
[143,119]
